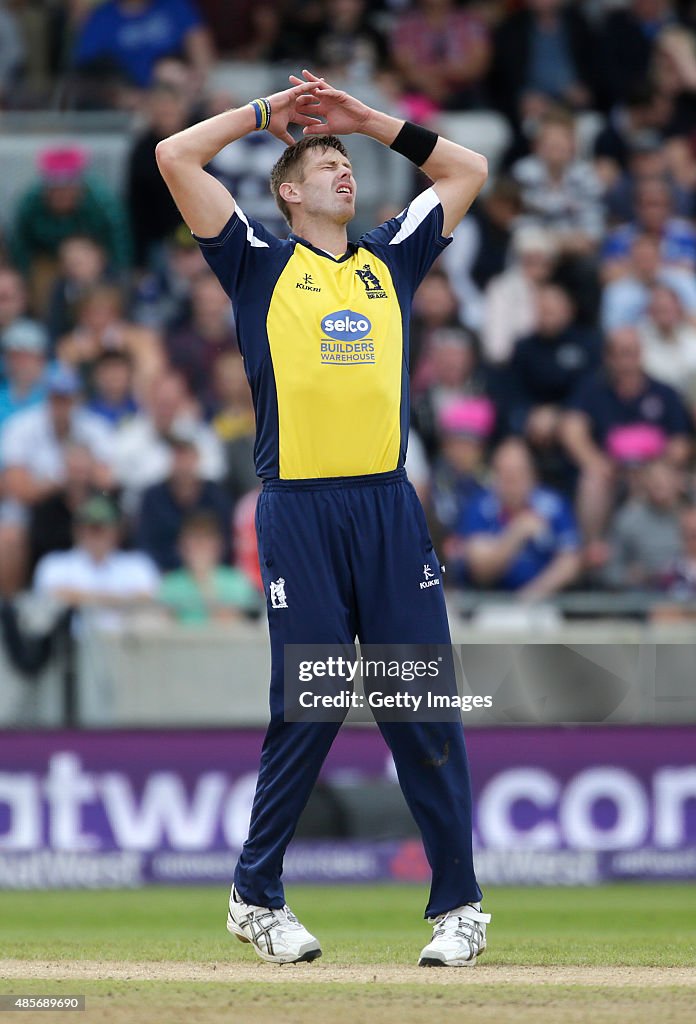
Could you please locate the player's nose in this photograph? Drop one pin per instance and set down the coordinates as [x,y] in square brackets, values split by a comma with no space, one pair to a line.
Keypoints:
[346,178]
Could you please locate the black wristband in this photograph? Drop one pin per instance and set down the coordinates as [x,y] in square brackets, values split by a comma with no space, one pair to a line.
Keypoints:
[415,143]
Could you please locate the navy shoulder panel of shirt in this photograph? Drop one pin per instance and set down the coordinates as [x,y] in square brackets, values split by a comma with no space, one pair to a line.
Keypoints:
[247,259]
[411,242]
[242,250]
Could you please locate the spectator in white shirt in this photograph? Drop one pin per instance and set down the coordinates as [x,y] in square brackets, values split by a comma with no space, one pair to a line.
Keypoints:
[668,340]
[480,248]
[142,453]
[95,573]
[32,463]
[510,306]
[560,192]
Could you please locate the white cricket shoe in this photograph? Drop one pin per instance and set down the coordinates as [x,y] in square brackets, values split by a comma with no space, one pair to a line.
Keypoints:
[459,936]
[276,935]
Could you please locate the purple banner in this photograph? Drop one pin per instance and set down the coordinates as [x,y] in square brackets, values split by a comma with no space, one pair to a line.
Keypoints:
[552,805]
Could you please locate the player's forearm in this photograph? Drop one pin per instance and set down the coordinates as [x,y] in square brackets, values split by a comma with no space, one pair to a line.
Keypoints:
[201,142]
[447,159]
[450,161]
[458,174]
[382,127]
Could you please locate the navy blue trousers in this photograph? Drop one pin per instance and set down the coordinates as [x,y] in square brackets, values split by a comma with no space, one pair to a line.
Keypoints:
[351,555]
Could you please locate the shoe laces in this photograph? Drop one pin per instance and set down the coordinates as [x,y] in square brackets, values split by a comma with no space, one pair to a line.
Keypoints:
[283,916]
[289,918]
[468,926]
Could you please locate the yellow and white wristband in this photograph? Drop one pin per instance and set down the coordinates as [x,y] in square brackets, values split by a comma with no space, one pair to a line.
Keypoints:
[262,109]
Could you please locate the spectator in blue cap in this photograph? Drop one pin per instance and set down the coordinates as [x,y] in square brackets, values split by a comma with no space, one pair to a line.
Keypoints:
[23,345]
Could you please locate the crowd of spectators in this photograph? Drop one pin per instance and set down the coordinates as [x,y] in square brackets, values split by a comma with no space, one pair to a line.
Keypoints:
[553,347]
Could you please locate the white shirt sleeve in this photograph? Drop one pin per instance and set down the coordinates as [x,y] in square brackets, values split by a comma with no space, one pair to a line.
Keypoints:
[99,436]
[143,575]
[51,574]
[211,453]
[15,441]
[417,468]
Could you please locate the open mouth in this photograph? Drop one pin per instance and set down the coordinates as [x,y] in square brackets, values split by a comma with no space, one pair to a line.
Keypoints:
[344,190]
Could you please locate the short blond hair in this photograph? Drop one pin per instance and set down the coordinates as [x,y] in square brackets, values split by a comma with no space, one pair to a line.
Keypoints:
[290,165]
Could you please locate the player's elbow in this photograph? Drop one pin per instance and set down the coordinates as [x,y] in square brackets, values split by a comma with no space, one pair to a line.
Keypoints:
[478,168]
[162,153]
[470,170]
[165,153]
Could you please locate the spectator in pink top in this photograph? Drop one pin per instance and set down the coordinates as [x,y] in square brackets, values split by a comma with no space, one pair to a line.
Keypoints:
[442,55]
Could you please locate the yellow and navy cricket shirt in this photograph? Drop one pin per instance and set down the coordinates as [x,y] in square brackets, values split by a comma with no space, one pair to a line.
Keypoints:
[325,339]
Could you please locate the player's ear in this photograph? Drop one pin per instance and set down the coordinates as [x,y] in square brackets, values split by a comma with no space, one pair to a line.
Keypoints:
[289,193]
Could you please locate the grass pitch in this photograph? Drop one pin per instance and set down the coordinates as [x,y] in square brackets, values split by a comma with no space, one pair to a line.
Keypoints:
[606,955]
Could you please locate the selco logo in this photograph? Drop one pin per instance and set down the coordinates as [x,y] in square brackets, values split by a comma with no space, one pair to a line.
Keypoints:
[345,325]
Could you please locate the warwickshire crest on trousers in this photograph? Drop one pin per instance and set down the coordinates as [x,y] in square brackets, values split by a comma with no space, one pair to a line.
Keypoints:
[277,593]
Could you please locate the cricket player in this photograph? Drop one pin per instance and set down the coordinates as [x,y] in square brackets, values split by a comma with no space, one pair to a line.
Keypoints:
[343,543]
